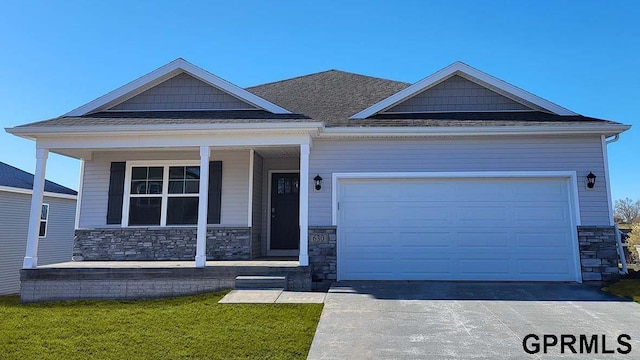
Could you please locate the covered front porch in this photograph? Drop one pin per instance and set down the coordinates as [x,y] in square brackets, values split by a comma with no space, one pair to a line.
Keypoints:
[231,195]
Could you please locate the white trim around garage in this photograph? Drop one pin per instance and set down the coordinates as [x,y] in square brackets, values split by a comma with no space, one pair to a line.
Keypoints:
[570,176]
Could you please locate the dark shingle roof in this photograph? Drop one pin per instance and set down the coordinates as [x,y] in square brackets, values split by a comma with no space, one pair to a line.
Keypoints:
[330,95]
[171,117]
[14,177]
[503,118]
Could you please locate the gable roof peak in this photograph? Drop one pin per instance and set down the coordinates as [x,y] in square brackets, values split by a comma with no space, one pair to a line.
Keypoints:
[473,74]
[166,72]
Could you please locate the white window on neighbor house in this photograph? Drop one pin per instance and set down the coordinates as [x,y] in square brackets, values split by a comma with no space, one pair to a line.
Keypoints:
[44,220]
[161,195]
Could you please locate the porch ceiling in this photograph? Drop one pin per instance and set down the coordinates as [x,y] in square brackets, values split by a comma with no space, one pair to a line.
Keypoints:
[278,151]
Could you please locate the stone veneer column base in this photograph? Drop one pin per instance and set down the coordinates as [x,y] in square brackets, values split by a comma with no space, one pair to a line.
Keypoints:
[598,253]
[323,256]
[168,244]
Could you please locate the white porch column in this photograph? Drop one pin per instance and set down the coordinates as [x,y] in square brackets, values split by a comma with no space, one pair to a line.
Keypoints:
[31,255]
[203,202]
[303,258]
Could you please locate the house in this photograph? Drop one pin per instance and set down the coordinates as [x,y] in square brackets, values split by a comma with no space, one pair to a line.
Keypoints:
[54,229]
[459,176]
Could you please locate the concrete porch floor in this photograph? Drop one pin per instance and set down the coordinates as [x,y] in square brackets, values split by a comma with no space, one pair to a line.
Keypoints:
[167,264]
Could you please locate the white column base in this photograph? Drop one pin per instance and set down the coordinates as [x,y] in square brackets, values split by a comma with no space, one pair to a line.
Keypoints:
[303,260]
[201,261]
[30,262]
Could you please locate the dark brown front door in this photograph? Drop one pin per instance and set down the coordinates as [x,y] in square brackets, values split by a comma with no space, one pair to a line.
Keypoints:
[285,209]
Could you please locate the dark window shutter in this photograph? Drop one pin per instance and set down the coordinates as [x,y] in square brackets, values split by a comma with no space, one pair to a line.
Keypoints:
[116,193]
[215,192]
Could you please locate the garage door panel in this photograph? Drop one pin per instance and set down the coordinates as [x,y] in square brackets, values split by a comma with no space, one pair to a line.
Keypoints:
[545,267]
[469,267]
[424,239]
[368,240]
[543,240]
[483,239]
[456,229]
[541,212]
[425,267]
[481,212]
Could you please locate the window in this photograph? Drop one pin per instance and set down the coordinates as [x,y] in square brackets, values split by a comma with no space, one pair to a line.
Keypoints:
[44,219]
[163,195]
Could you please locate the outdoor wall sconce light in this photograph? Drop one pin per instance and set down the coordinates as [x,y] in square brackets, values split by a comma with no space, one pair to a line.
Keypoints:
[318,181]
[591,180]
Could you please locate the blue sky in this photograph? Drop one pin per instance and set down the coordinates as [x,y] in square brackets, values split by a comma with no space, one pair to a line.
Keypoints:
[583,55]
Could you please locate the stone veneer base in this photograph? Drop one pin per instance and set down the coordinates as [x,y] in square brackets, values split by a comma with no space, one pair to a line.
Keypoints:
[323,256]
[164,244]
[598,253]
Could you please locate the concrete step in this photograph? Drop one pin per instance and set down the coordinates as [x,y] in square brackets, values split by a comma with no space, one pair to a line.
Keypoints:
[261,282]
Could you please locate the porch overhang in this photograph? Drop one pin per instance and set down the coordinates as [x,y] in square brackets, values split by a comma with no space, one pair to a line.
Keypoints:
[80,141]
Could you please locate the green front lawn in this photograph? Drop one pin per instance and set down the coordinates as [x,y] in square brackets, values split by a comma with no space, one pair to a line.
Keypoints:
[629,288]
[194,327]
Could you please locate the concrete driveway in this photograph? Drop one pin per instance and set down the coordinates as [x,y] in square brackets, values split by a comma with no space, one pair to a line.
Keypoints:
[465,320]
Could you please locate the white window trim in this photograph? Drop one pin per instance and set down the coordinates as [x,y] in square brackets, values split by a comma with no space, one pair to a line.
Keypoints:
[165,190]
[46,222]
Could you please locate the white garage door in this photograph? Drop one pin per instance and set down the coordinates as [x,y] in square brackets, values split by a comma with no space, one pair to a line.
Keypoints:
[456,229]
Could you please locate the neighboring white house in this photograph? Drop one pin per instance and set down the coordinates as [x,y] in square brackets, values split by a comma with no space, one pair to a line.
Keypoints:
[459,176]
[55,228]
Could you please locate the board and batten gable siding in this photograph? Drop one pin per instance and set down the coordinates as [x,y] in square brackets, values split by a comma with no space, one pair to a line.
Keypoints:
[182,92]
[457,94]
[14,223]
[580,154]
[95,189]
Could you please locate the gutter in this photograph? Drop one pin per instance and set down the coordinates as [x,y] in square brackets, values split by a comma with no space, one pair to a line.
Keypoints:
[616,137]
[471,131]
[31,132]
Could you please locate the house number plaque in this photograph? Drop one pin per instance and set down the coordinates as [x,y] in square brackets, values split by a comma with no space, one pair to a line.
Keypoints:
[319,238]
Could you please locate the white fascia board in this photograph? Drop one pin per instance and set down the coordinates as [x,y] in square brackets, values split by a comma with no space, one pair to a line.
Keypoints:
[470,131]
[29,192]
[460,67]
[168,139]
[33,131]
[173,68]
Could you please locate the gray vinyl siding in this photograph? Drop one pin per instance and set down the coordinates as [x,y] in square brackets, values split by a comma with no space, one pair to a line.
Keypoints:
[457,94]
[282,164]
[183,92]
[14,224]
[580,154]
[235,183]
[257,207]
